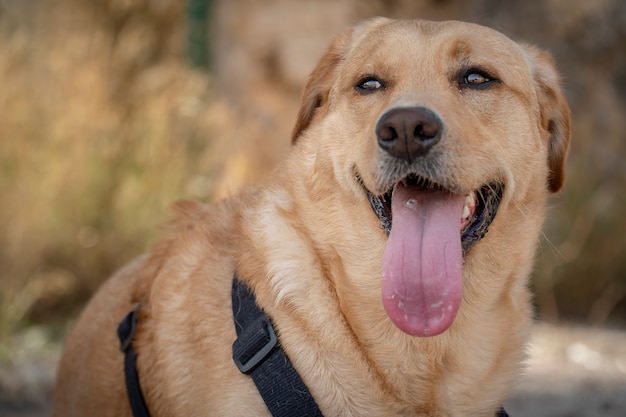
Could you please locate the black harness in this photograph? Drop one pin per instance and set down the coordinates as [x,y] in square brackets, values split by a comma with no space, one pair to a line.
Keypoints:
[256,352]
[126,332]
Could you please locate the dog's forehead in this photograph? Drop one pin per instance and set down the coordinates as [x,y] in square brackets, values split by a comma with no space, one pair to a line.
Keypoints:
[390,40]
[426,51]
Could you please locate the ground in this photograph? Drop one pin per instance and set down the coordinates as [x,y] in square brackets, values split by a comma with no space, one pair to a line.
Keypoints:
[572,371]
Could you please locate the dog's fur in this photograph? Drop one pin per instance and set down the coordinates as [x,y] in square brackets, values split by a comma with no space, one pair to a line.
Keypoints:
[310,247]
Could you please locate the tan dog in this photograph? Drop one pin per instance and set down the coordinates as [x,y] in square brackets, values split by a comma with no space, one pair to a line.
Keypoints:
[367,248]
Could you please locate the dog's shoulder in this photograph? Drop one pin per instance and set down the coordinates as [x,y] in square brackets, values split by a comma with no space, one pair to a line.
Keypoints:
[197,233]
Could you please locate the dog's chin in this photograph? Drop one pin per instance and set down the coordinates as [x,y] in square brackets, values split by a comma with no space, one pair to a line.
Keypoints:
[479,211]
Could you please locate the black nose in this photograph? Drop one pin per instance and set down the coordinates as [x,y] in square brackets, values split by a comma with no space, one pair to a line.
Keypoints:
[408,132]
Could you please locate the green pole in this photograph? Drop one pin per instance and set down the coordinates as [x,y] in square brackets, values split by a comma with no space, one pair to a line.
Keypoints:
[198,21]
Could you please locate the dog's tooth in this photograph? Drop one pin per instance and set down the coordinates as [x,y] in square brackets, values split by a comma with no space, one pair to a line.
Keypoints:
[470,203]
[466,212]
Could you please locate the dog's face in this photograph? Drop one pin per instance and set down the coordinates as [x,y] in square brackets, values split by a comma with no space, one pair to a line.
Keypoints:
[442,128]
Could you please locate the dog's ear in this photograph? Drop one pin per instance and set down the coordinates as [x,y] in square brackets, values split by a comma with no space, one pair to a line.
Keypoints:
[320,81]
[555,114]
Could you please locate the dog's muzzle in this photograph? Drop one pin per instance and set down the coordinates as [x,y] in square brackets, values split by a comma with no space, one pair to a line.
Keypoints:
[431,226]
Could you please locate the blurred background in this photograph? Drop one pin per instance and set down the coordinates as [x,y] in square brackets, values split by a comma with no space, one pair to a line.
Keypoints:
[110,110]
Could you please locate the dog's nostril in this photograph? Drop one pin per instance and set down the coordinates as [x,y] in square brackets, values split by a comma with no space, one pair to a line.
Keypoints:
[426,131]
[408,132]
[388,133]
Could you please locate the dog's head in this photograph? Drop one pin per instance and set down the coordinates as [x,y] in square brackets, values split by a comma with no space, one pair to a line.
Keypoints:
[440,126]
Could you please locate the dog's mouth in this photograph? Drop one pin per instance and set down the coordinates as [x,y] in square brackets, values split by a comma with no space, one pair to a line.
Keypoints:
[479,209]
[430,229]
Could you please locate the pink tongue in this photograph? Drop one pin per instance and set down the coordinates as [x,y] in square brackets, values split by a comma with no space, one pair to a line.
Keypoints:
[422,281]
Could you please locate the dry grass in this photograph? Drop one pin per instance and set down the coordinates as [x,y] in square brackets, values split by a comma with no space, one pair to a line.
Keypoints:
[95,144]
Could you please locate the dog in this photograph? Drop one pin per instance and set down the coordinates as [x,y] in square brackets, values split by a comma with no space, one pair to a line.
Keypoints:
[391,249]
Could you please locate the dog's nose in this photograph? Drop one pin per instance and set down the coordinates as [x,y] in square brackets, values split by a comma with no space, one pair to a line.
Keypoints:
[408,132]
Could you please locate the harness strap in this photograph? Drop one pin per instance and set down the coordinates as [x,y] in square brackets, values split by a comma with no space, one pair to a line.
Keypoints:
[126,332]
[257,353]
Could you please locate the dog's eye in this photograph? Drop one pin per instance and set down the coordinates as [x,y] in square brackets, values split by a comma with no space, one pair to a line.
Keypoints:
[476,78]
[368,85]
